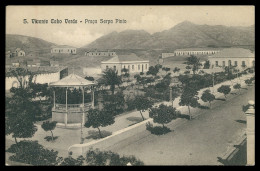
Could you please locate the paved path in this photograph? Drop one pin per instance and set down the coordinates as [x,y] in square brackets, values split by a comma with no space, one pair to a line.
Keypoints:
[196,142]
[68,137]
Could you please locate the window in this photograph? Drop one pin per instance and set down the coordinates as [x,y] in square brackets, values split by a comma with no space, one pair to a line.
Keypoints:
[106,67]
[229,62]
[114,67]
[133,67]
[128,67]
[216,63]
[243,63]
[223,63]
[235,63]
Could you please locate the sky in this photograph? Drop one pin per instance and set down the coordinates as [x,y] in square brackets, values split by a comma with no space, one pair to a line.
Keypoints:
[149,18]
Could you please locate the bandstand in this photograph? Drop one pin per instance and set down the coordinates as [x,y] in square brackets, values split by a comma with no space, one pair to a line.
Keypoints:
[72,115]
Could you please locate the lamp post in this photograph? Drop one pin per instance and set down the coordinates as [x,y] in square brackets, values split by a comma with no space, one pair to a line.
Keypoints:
[250,132]
[213,83]
[171,100]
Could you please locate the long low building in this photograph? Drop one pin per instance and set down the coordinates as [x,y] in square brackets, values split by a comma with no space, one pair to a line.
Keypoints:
[133,63]
[64,49]
[242,58]
[100,53]
[192,51]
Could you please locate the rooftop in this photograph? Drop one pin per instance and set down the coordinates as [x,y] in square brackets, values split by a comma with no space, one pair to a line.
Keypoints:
[199,49]
[124,58]
[233,52]
[71,81]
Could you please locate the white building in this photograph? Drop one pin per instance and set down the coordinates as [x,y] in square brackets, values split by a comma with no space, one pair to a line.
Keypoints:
[242,58]
[133,63]
[64,49]
[196,51]
[100,53]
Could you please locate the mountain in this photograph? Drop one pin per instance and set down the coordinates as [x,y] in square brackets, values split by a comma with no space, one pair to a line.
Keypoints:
[115,40]
[185,34]
[26,43]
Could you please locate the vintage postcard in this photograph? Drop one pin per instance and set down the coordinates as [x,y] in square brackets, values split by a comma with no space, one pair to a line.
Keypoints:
[130,85]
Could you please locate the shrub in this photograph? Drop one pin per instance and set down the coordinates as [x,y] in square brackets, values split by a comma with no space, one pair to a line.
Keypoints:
[30,152]
[109,158]
[225,89]
[158,130]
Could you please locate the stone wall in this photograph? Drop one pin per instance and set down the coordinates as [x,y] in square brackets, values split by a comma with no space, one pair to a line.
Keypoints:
[39,78]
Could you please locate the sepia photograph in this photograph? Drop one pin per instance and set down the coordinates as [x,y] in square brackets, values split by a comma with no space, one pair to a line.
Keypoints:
[124,85]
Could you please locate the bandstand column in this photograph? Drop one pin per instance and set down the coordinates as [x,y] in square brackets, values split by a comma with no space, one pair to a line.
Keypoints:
[54,106]
[66,113]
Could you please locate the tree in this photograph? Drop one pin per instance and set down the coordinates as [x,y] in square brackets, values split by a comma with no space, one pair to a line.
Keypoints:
[189,98]
[153,70]
[111,78]
[99,118]
[163,114]
[20,118]
[109,158]
[248,82]
[194,62]
[237,86]
[142,104]
[114,103]
[207,97]
[49,126]
[166,69]
[225,89]
[23,76]
[69,161]
[176,69]
[33,153]
[206,65]
[89,78]
[20,112]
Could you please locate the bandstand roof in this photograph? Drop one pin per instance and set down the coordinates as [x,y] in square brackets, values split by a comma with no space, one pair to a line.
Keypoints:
[71,81]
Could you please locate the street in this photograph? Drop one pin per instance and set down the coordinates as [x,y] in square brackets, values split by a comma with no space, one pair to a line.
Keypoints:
[196,142]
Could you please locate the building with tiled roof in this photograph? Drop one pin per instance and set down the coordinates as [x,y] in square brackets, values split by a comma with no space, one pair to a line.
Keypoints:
[133,63]
[64,49]
[242,58]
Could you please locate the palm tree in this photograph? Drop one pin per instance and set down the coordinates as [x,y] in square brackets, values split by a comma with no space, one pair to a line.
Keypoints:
[111,78]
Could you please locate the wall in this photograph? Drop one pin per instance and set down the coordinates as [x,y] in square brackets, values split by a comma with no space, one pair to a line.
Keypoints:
[40,78]
[57,116]
[74,117]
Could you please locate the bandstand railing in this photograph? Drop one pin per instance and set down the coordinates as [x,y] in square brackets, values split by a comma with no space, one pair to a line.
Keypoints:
[72,107]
